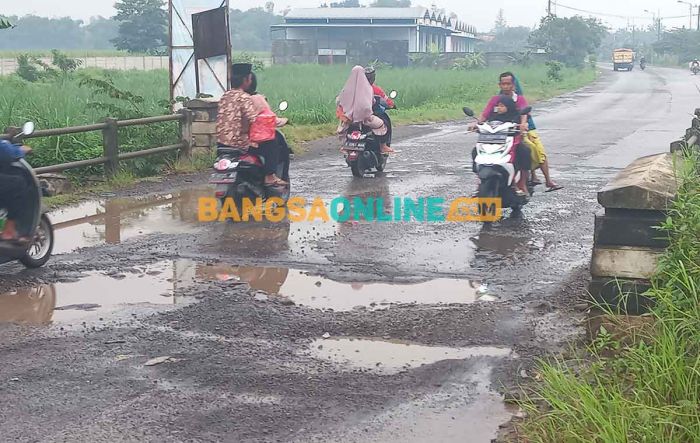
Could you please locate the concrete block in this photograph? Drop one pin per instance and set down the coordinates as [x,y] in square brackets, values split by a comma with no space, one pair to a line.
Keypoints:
[648,183]
[204,140]
[203,128]
[202,103]
[630,228]
[622,295]
[625,262]
[204,116]
[57,184]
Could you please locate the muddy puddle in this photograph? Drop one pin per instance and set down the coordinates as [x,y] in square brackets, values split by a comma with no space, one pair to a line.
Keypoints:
[460,405]
[96,296]
[112,221]
[390,357]
[322,293]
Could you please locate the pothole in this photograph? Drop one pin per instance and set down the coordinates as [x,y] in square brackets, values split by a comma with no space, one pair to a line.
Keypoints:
[112,221]
[323,293]
[96,296]
[390,357]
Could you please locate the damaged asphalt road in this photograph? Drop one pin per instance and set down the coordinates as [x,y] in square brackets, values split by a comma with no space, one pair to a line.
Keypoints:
[150,326]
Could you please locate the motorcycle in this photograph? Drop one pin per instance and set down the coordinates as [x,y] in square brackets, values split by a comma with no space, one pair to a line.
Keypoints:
[493,163]
[361,148]
[38,252]
[695,69]
[642,65]
[239,174]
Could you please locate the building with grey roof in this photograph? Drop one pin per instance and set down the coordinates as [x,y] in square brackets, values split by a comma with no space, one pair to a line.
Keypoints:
[361,35]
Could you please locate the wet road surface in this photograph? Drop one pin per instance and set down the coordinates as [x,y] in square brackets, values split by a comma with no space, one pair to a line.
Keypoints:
[313,331]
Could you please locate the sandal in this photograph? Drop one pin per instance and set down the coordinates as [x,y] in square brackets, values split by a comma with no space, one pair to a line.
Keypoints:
[521,193]
[554,188]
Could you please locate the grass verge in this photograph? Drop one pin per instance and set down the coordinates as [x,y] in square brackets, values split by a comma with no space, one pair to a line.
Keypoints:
[641,390]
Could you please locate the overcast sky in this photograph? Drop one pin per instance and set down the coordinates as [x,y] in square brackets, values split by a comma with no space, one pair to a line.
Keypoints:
[479,13]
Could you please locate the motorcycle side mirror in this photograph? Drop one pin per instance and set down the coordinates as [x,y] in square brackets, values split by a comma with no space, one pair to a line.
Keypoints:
[28,128]
[393,94]
[468,112]
[283,106]
[526,111]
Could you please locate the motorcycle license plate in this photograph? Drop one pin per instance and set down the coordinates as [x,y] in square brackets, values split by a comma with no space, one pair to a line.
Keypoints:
[357,146]
[223,178]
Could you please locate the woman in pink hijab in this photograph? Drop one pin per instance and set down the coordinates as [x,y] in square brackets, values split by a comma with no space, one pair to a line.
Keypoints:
[354,105]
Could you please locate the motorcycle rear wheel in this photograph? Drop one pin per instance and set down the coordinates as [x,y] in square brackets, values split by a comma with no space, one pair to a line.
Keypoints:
[382,164]
[39,252]
[355,168]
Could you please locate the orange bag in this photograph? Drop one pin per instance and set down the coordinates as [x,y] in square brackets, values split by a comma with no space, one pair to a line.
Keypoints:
[264,128]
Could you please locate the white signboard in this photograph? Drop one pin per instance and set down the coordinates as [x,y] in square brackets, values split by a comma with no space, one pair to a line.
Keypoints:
[213,72]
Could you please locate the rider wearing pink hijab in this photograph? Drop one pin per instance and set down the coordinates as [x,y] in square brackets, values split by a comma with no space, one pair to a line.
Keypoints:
[355,106]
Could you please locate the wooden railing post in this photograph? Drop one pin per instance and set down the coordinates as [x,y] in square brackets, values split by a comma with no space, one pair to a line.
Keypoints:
[186,132]
[110,145]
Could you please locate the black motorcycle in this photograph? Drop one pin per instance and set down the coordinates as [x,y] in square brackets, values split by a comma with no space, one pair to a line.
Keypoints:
[361,148]
[38,252]
[239,174]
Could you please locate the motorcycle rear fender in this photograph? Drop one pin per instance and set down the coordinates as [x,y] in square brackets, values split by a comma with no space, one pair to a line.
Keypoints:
[506,172]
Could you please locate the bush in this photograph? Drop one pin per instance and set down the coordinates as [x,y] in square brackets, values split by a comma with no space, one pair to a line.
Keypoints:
[554,71]
[593,61]
[65,63]
[471,61]
[245,57]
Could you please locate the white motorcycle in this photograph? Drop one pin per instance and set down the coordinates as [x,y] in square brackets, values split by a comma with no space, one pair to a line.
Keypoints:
[495,154]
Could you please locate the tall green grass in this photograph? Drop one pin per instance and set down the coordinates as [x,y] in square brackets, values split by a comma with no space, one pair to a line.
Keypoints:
[62,102]
[311,89]
[425,95]
[647,391]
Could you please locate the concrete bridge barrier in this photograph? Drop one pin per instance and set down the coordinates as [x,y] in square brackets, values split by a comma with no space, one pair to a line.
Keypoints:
[627,243]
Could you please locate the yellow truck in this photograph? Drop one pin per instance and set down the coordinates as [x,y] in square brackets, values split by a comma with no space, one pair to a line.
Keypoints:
[623,59]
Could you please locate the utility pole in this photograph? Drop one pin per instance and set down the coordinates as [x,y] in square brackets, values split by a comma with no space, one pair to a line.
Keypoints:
[690,17]
[549,8]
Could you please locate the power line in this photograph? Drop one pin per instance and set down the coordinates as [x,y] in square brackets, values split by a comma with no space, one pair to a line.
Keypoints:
[603,14]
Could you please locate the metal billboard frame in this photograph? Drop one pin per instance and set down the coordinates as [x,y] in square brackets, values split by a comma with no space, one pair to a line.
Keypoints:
[187,69]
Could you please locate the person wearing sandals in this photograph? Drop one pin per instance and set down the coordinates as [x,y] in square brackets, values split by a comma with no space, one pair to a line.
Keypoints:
[534,142]
[274,151]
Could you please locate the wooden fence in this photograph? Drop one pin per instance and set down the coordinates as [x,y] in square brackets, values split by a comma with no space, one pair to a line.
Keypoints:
[110,141]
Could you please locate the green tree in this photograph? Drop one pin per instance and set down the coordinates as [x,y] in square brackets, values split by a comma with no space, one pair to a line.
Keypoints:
[346,4]
[569,39]
[99,33]
[37,33]
[509,39]
[681,42]
[391,4]
[143,25]
[501,23]
[250,30]
[32,32]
